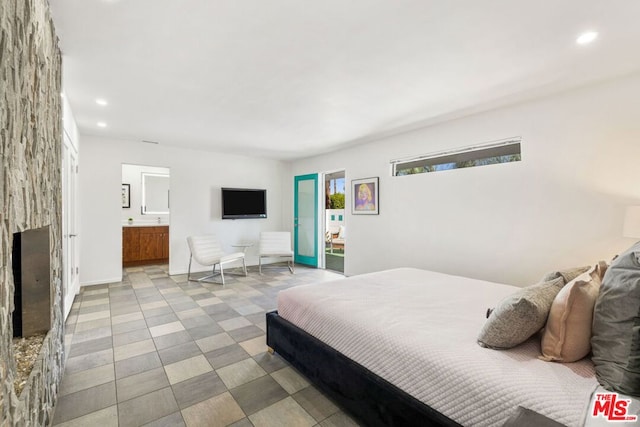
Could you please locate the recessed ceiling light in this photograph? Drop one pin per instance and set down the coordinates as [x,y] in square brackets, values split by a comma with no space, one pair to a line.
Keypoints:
[101,101]
[101,124]
[586,38]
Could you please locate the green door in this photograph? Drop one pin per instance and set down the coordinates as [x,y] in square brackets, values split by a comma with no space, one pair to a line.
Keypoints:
[305,219]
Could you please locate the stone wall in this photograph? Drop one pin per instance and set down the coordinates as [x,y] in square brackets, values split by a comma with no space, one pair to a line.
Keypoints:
[30,191]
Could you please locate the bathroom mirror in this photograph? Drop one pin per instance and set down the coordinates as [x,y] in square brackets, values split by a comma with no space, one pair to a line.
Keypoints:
[155,193]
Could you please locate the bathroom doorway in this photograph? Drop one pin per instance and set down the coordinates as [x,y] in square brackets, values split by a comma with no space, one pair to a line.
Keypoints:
[145,215]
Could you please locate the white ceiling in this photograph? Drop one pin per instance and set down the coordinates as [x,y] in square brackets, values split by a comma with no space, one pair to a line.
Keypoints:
[293,78]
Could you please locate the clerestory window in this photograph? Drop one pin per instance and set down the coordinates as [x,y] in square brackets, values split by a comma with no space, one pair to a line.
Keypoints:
[503,151]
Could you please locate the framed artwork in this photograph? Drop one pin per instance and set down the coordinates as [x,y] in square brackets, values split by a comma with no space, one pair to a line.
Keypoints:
[126,195]
[364,196]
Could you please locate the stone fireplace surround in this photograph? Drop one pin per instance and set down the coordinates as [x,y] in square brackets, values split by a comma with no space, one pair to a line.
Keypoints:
[30,192]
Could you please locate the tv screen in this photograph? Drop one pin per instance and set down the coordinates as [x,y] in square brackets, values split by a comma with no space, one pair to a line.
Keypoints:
[238,203]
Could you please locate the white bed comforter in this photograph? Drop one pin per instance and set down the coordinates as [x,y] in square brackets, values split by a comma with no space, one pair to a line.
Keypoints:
[417,329]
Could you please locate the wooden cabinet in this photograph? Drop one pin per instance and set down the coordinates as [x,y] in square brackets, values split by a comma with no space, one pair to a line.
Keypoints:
[145,245]
[130,244]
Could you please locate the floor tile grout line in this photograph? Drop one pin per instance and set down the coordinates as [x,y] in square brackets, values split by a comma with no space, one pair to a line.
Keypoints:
[157,350]
[184,288]
[163,365]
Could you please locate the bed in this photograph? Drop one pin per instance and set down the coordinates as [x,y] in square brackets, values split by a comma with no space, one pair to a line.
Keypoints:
[398,347]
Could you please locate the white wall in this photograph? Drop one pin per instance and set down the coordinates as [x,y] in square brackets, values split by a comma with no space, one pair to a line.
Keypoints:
[132,175]
[561,206]
[69,123]
[338,219]
[196,179]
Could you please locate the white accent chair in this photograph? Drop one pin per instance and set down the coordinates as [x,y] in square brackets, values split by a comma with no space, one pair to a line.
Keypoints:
[275,244]
[206,250]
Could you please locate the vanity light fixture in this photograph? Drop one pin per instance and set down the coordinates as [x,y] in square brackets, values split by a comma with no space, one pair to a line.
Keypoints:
[101,124]
[587,37]
[101,102]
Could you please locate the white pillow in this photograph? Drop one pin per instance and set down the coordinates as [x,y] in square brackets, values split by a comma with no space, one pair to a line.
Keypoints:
[342,232]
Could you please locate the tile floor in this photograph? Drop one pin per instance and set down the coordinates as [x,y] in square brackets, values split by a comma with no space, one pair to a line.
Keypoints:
[157,350]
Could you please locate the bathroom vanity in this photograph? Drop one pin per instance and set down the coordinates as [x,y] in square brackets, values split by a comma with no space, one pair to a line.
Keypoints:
[144,245]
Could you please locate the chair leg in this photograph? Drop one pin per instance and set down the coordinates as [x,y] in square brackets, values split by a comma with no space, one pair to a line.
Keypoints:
[244,267]
[206,279]
[260,264]
[189,270]
[291,266]
[222,274]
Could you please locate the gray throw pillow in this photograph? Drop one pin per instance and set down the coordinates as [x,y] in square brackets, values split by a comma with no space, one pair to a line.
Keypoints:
[519,316]
[615,336]
[568,275]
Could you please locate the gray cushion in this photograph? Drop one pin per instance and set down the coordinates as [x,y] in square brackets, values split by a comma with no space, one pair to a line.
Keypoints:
[568,275]
[615,339]
[519,316]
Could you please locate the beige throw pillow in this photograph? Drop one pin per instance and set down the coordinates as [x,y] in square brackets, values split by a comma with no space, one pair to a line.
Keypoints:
[567,335]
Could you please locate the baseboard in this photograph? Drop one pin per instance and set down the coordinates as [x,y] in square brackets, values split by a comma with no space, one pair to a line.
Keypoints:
[101,281]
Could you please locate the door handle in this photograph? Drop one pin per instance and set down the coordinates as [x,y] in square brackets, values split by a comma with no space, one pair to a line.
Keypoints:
[73,235]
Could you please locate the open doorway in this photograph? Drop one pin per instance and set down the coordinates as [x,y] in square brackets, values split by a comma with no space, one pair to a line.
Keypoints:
[335,227]
[145,215]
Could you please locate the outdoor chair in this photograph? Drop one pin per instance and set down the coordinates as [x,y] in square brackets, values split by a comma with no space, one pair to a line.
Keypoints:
[336,240]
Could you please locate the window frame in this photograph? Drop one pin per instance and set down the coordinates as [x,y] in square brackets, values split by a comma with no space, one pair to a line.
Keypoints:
[503,151]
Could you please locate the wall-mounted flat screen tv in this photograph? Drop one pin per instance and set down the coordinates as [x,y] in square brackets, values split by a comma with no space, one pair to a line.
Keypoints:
[240,203]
